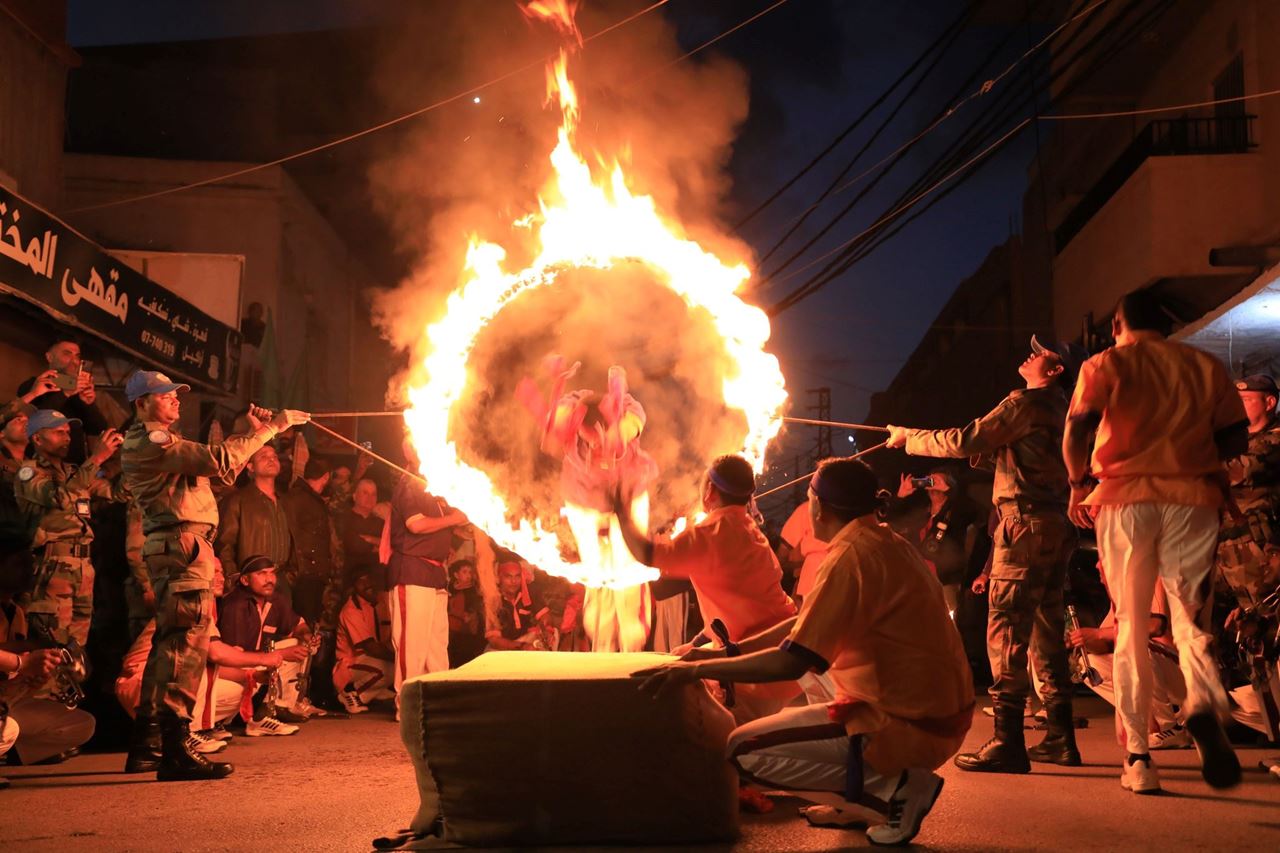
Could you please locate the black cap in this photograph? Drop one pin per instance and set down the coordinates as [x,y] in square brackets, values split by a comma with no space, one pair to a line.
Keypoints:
[255,563]
[1259,382]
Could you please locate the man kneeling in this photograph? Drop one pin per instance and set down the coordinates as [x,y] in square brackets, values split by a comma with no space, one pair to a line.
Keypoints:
[876,619]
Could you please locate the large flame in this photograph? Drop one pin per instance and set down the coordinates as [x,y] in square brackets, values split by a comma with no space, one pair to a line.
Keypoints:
[585,223]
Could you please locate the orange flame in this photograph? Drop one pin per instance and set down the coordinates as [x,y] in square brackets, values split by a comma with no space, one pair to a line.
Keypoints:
[586,223]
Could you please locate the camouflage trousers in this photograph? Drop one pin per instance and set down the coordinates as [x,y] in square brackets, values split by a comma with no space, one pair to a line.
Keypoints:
[181,568]
[60,605]
[1251,571]
[1027,614]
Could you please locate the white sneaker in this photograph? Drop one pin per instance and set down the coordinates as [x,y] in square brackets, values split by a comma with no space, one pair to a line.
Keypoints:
[1176,737]
[218,732]
[268,726]
[916,794]
[1140,776]
[304,708]
[352,702]
[201,742]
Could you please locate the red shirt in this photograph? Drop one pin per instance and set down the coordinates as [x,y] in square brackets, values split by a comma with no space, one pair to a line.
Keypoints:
[733,571]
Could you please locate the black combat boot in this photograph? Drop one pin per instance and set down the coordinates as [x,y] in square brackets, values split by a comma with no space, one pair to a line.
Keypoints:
[1006,752]
[179,762]
[1059,744]
[144,746]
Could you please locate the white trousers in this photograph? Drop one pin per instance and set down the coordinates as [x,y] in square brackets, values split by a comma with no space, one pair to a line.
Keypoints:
[217,700]
[1168,691]
[1140,544]
[419,631]
[801,751]
[369,676]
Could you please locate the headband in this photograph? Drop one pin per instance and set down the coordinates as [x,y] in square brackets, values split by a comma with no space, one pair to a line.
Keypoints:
[829,494]
[256,563]
[723,485]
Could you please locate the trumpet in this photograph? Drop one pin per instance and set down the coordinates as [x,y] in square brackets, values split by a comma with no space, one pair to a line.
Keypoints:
[1081,669]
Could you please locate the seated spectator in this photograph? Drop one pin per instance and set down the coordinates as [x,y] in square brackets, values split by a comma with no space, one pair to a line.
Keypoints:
[564,613]
[1168,689]
[363,672]
[466,614]
[255,617]
[37,731]
[223,684]
[521,615]
[360,527]
[800,552]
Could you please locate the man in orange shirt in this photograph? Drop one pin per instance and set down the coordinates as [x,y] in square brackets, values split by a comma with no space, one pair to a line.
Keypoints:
[801,549]
[732,568]
[877,623]
[1162,417]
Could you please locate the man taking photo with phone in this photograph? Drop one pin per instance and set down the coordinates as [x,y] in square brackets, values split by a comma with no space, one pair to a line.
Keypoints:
[73,394]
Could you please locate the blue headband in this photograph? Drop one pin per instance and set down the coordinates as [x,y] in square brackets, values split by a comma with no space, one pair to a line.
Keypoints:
[723,485]
[827,494]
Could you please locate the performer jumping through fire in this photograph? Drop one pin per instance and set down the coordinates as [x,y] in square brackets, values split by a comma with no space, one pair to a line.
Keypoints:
[600,448]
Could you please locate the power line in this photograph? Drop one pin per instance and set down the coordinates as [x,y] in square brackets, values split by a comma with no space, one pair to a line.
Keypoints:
[857,122]
[878,234]
[1256,96]
[896,155]
[423,110]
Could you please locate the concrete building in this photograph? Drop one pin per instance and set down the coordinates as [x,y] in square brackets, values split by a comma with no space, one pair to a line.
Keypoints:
[1154,200]
[1186,203]
[280,259]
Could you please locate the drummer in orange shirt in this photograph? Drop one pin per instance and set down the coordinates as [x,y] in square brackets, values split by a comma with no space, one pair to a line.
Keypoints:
[733,571]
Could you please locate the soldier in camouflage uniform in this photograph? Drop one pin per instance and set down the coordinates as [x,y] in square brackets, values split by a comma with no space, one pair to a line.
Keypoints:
[1248,558]
[1023,435]
[169,478]
[55,497]
[13,452]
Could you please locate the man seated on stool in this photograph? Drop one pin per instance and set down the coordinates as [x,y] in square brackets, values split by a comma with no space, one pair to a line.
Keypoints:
[877,622]
[256,618]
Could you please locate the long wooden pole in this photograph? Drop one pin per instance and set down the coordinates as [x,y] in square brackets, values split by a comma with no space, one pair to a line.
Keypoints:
[361,448]
[798,480]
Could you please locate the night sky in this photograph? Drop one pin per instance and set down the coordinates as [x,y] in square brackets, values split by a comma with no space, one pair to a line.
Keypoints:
[814,65]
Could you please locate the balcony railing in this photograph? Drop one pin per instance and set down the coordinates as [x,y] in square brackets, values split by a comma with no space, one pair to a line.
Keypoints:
[1163,138]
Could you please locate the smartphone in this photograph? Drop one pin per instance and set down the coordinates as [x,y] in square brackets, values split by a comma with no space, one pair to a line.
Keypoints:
[922,482]
[66,384]
[86,367]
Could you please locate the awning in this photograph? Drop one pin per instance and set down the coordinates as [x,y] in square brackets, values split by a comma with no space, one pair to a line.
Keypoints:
[49,264]
[1243,331]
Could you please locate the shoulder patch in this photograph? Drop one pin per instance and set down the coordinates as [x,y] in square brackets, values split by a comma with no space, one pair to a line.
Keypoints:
[161,437]
[26,472]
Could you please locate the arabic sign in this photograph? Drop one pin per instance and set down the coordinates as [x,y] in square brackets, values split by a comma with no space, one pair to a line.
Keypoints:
[45,261]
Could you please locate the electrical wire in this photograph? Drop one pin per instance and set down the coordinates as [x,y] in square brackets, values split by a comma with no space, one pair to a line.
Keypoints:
[881,233]
[333,143]
[1256,96]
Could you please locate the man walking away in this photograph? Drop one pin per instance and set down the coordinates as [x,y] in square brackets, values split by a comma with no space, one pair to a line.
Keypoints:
[1162,417]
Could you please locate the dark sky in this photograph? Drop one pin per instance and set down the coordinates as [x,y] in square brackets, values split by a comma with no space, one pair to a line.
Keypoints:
[814,65]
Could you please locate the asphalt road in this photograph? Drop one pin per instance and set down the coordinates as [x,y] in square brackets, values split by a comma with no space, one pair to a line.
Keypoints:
[339,783]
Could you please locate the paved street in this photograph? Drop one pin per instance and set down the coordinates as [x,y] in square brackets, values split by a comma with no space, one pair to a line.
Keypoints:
[339,783]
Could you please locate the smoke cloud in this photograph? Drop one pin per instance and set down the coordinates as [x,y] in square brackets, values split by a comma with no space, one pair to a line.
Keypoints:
[473,169]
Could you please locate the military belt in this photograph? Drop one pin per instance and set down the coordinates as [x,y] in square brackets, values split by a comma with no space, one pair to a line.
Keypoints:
[1021,506]
[65,549]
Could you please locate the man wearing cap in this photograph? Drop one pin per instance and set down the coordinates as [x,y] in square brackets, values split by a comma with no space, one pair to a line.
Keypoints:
[733,571]
[1161,418]
[13,452]
[876,623]
[1023,437]
[55,497]
[1247,544]
[1248,559]
[169,478]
